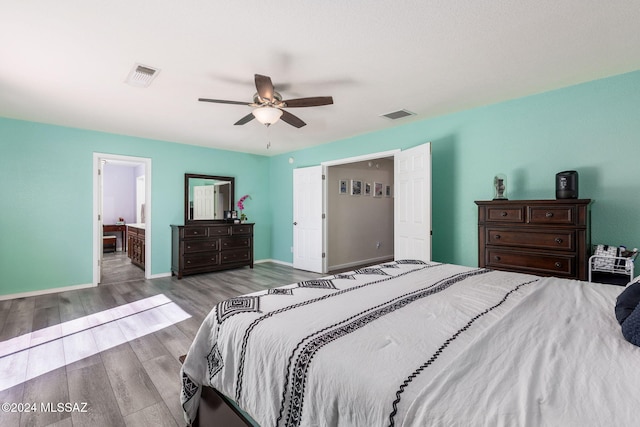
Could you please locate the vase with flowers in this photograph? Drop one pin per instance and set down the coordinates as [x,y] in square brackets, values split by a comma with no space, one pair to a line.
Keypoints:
[243,217]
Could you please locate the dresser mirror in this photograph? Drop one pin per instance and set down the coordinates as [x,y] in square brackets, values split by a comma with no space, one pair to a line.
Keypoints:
[207,197]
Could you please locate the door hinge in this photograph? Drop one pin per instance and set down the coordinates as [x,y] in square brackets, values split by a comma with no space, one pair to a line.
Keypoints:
[99,217]
[324,255]
[323,216]
[323,177]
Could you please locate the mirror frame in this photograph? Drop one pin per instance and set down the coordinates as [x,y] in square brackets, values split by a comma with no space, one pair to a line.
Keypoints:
[186,196]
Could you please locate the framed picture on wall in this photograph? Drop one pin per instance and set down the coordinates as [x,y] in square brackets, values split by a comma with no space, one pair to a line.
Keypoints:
[343,186]
[387,191]
[378,189]
[367,188]
[356,187]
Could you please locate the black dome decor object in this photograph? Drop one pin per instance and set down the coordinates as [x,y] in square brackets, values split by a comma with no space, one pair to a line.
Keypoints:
[567,185]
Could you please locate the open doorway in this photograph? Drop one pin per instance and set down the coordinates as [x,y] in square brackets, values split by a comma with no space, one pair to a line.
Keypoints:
[409,186]
[326,191]
[359,211]
[122,231]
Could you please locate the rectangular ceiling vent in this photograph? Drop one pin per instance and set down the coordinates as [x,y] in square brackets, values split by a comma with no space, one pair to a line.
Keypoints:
[141,75]
[395,115]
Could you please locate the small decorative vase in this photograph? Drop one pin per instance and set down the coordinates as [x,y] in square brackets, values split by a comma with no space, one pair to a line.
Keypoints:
[500,187]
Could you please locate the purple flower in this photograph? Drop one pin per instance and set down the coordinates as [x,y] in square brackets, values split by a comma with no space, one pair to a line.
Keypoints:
[241,201]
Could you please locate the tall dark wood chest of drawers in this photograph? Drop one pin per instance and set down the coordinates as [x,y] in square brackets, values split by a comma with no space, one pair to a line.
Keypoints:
[210,247]
[543,237]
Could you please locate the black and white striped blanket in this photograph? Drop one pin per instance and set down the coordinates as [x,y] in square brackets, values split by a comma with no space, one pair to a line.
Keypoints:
[403,343]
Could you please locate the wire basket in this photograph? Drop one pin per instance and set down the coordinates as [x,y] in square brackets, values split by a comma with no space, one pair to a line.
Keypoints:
[610,259]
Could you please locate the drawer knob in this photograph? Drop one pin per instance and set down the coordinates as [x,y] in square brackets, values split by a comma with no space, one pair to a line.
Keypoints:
[497,258]
[503,214]
[497,237]
[188,262]
[558,240]
[549,214]
[195,232]
[558,264]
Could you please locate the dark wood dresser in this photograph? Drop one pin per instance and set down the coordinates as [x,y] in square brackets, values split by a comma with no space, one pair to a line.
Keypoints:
[543,237]
[210,247]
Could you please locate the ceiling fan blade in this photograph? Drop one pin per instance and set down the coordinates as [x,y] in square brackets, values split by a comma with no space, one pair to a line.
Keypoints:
[314,101]
[291,119]
[245,119]
[222,101]
[264,87]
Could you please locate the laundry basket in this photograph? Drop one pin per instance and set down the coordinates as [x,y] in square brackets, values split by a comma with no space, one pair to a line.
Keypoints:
[612,260]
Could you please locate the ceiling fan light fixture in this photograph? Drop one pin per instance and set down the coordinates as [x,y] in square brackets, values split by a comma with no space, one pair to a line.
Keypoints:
[267,115]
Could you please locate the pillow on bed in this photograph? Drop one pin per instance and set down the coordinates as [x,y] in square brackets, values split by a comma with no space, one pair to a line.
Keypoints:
[631,327]
[627,301]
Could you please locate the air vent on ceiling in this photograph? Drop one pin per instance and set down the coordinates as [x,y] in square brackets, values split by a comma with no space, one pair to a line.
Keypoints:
[394,115]
[141,75]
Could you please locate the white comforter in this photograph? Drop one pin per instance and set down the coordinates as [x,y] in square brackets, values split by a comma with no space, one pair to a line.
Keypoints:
[411,344]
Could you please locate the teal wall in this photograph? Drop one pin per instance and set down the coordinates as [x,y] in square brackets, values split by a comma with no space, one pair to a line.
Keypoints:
[593,128]
[46,199]
[46,188]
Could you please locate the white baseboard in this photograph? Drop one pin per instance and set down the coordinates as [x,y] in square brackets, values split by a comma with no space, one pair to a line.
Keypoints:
[376,260]
[276,261]
[157,276]
[45,291]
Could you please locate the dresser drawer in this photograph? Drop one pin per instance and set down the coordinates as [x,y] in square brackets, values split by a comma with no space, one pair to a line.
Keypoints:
[505,213]
[565,215]
[195,232]
[537,239]
[241,255]
[234,242]
[219,231]
[201,260]
[201,245]
[532,262]
[241,229]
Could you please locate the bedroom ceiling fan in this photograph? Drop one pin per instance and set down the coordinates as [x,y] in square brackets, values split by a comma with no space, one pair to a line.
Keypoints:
[269,106]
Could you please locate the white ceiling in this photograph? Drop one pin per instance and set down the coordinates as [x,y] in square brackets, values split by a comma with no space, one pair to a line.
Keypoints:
[64,62]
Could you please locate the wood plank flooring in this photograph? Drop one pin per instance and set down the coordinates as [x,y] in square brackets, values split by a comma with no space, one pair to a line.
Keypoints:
[117,268]
[84,346]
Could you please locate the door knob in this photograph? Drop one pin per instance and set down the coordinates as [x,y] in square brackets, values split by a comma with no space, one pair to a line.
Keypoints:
[295,223]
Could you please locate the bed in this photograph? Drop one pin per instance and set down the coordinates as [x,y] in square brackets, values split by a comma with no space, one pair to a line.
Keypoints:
[409,343]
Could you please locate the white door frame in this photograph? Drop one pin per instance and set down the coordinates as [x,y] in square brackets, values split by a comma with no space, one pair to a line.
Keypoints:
[97,231]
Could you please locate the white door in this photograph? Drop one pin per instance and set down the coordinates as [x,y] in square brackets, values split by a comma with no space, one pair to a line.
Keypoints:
[203,202]
[412,207]
[307,219]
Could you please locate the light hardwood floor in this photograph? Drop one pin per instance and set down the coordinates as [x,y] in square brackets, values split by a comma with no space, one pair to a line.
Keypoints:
[114,348]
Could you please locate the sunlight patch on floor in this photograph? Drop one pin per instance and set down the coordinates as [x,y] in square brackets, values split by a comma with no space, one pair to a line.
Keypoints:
[30,355]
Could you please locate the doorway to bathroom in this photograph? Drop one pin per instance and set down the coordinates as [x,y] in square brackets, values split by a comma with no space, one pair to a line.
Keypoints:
[122,231]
